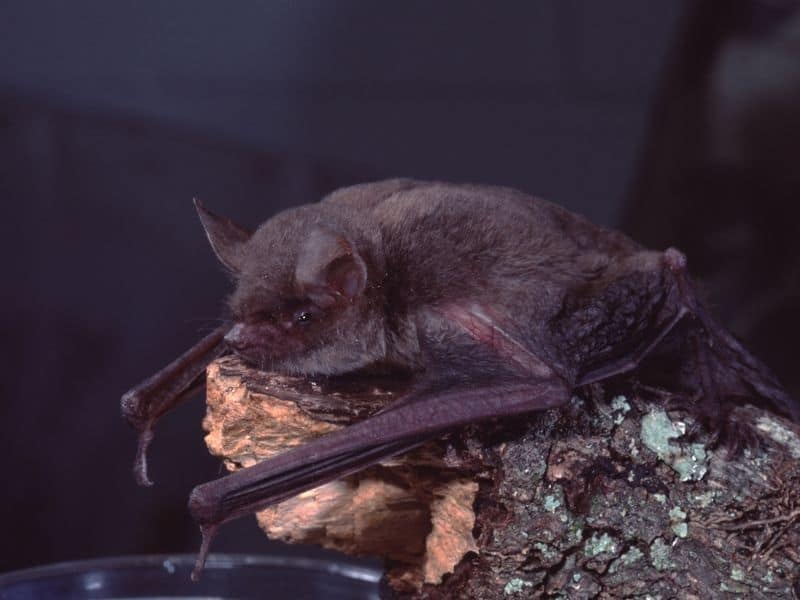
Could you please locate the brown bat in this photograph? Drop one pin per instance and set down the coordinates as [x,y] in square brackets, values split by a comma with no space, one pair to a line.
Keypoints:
[497,303]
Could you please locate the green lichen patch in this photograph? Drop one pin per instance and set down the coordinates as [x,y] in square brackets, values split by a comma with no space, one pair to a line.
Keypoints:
[660,554]
[691,463]
[551,503]
[619,408]
[516,586]
[677,514]
[600,544]
[705,499]
[658,432]
[678,524]
[681,529]
[549,555]
[627,559]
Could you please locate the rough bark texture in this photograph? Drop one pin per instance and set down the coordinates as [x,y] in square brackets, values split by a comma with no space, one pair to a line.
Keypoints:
[601,499]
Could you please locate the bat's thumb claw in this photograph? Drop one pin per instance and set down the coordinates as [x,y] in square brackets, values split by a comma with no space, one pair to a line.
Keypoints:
[140,463]
[208,532]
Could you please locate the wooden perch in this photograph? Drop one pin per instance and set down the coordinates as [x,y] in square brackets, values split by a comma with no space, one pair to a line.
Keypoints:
[596,500]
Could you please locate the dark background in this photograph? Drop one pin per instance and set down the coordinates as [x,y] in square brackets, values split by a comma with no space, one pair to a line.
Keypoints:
[676,122]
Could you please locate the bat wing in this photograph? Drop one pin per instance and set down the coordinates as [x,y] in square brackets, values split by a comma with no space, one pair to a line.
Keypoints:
[420,417]
[456,390]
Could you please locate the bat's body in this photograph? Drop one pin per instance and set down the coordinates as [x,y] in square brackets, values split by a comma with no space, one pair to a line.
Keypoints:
[498,303]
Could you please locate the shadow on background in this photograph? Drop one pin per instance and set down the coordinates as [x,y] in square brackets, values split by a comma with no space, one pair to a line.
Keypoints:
[112,117]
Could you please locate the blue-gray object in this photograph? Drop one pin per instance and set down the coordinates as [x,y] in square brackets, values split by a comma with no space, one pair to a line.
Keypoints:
[226,576]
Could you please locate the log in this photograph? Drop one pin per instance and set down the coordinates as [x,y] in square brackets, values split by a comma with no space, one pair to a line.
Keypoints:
[601,499]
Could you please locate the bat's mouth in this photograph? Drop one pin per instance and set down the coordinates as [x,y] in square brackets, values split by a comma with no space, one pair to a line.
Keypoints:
[259,344]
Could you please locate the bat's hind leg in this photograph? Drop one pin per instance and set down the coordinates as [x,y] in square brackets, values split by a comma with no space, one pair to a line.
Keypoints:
[725,372]
[675,325]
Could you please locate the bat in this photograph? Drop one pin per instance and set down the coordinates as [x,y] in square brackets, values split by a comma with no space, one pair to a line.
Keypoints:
[497,303]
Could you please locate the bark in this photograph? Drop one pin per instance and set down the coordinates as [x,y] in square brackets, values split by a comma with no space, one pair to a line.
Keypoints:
[603,499]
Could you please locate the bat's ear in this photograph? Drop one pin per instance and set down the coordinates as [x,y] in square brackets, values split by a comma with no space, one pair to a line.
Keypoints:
[226,237]
[329,268]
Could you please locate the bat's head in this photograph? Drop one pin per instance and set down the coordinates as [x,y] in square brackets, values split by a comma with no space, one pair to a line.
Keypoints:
[308,297]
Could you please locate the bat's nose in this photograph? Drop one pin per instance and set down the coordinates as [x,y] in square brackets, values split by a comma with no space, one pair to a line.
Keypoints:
[243,341]
[235,336]
[244,337]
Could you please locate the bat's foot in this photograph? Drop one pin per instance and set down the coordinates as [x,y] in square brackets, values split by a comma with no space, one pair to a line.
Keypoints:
[721,428]
[728,431]
[736,436]
[715,407]
[714,423]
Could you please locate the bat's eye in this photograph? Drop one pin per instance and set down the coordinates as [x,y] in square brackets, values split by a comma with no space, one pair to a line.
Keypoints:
[303,317]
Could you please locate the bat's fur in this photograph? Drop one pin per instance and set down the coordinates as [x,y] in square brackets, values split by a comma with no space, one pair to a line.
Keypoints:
[500,303]
[425,243]
[571,291]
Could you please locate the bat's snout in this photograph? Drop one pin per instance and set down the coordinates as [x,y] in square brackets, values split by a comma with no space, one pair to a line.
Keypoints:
[235,336]
[251,340]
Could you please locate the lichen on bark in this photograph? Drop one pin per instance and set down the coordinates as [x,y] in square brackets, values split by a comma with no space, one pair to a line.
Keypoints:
[597,500]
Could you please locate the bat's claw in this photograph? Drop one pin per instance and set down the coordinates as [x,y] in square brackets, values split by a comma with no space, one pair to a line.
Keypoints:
[140,463]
